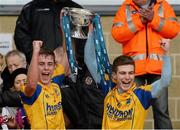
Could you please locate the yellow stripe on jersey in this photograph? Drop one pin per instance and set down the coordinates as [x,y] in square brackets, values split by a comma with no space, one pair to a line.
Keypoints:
[59,70]
[58,75]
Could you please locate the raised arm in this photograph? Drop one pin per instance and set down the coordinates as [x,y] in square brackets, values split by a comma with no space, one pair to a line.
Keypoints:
[33,71]
[165,79]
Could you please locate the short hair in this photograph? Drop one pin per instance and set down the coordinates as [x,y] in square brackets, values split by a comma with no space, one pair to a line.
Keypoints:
[47,52]
[18,53]
[122,60]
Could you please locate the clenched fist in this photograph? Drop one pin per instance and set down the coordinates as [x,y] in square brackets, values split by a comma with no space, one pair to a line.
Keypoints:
[37,44]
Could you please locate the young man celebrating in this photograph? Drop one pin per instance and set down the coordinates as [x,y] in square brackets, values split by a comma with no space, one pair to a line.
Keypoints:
[41,96]
[139,25]
[125,106]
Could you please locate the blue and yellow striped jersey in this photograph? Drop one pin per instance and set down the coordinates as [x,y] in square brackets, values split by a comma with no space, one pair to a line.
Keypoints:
[58,75]
[44,108]
[127,110]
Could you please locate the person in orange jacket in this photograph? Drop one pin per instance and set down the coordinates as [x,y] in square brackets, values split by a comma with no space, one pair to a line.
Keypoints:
[140,26]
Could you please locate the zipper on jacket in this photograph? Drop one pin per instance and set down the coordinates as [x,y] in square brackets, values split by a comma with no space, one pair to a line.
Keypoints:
[147,47]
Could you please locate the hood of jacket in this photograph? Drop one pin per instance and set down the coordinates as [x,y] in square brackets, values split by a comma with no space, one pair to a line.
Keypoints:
[152,1]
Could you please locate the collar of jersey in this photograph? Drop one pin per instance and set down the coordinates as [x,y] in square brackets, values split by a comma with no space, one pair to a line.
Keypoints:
[125,95]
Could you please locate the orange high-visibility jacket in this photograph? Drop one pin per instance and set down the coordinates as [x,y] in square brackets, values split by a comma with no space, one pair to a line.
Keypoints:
[142,41]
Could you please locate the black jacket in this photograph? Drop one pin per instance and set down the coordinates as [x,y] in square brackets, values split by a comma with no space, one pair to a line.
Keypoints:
[40,20]
[83,101]
[92,100]
[7,97]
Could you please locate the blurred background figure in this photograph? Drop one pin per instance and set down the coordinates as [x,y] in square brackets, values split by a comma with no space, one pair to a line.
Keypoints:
[40,20]
[14,60]
[16,115]
[1,69]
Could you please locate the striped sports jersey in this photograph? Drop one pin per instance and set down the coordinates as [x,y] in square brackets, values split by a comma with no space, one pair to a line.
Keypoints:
[44,107]
[127,110]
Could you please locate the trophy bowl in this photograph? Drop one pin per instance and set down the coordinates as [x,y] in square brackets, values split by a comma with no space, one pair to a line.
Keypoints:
[79,18]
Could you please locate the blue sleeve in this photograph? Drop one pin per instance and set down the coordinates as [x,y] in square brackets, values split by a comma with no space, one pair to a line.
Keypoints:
[90,57]
[105,87]
[58,79]
[32,99]
[165,79]
[144,97]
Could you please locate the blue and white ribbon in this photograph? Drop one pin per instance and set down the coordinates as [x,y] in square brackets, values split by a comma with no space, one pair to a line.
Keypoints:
[96,54]
[104,67]
[66,28]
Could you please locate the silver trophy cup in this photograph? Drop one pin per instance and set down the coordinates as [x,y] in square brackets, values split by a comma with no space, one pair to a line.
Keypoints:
[79,19]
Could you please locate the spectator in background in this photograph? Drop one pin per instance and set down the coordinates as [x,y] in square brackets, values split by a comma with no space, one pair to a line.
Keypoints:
[139,25]
[1,69]
[16,115]
[40,20]
[14,60]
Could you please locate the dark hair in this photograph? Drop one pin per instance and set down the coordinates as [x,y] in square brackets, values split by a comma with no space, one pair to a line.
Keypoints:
[47,52]
[15,73]
[122,60]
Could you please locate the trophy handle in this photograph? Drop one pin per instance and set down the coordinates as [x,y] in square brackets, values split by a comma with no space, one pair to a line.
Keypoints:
[64,11]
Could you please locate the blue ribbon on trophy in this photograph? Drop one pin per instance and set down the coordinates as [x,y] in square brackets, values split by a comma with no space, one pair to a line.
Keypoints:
[95,53]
